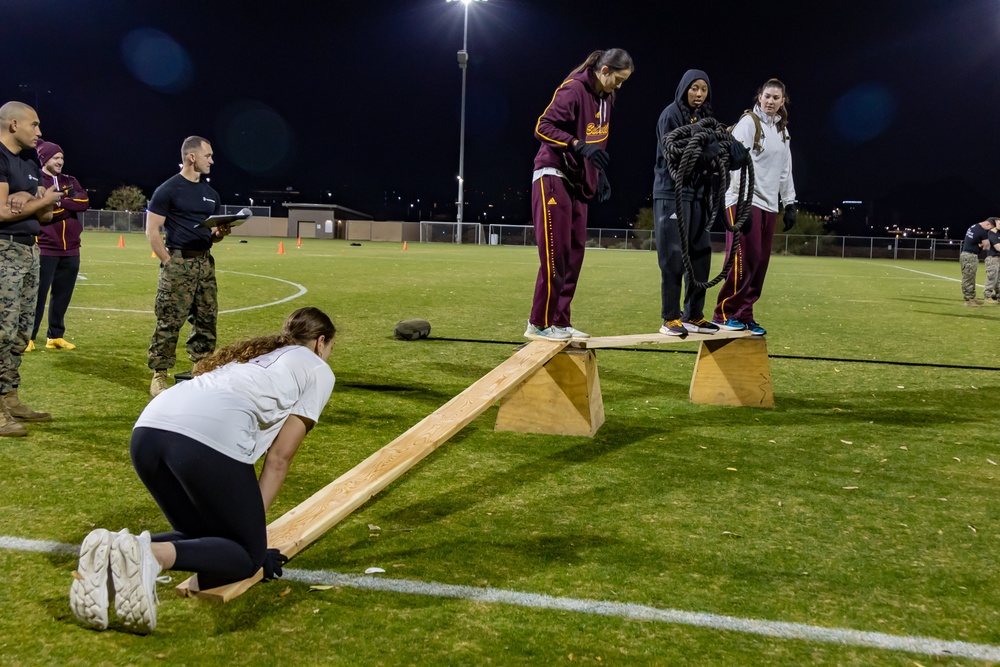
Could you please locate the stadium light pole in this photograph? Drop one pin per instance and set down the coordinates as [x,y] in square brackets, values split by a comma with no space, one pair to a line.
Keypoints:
[463,60]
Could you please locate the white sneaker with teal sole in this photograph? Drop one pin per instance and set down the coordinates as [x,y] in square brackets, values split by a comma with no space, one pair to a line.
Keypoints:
[574,334]
[548,333]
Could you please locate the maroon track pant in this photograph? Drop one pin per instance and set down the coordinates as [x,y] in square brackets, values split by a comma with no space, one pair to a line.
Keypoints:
[745,279]
[560,220]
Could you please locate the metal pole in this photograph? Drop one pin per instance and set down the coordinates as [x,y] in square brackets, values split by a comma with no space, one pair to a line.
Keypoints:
[463,59]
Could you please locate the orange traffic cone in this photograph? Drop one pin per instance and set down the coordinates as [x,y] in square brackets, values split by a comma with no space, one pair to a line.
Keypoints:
[281,247]
[299,243]
[121,241]
[404,245]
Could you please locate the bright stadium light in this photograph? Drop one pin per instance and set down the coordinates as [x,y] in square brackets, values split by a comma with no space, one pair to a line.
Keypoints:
[463,59]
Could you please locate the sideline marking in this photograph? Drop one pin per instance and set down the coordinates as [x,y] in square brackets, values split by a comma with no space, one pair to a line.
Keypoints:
[302,290]
[924,273]
[844,637]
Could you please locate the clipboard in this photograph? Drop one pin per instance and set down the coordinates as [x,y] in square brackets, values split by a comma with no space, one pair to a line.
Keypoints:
[233,220]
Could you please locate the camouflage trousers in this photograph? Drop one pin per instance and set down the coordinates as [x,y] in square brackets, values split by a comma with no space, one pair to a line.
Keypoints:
[18,291]
[186,291]
[992,278]
[970,264]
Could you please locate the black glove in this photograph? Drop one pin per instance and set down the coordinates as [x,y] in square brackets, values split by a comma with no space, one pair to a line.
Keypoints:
[789,216]
[597,155]
[711,150]
[273,560]
[603,188]
[739,156]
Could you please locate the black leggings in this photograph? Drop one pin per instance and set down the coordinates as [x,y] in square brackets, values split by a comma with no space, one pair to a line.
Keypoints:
[212,502]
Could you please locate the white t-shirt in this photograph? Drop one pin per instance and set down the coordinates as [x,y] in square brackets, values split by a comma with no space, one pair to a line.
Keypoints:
[239,408]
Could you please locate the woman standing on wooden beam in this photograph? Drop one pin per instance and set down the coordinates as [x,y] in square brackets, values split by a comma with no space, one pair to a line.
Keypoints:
[569,173]
[194,447]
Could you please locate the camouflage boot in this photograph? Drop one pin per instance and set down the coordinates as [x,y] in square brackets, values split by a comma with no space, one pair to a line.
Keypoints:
[160,383]
[22,412]
[9,427]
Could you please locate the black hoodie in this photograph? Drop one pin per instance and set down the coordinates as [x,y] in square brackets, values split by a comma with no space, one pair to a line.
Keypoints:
[678,113]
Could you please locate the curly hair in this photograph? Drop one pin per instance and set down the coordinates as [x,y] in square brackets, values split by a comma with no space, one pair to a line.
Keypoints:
[302,326]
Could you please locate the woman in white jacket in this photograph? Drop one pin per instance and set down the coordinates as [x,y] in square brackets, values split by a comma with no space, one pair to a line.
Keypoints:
[764,131]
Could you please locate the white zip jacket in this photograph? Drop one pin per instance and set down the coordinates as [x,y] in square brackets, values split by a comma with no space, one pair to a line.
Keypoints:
[772,166]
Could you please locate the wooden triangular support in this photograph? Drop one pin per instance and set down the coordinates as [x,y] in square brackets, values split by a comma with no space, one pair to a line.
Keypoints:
[294,531]
[733,372]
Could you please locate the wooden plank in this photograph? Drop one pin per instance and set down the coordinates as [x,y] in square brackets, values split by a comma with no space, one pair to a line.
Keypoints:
[654,339]
[294,531]
[733,372]
[562,398]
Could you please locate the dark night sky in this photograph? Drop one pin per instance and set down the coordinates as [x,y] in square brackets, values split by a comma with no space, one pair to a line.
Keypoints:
[892,101]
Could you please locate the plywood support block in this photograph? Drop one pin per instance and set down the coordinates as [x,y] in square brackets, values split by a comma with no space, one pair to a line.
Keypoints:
[733,372]
[561,398]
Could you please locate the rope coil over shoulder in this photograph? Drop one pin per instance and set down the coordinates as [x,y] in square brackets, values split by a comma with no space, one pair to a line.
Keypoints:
[682,148]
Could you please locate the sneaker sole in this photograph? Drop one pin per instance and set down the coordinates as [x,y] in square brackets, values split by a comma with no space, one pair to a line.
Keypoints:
[88,594]
[700,330]
[133,603]
[668,332]
[726,327]
[551,338]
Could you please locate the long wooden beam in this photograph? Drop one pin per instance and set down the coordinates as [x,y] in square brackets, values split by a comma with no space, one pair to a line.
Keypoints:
[299,527]
[655,339]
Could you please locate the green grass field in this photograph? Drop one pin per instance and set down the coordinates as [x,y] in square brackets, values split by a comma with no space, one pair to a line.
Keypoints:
[865,501]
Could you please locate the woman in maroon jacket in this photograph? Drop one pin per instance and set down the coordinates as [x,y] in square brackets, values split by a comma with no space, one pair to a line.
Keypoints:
[569,172]
[59,246]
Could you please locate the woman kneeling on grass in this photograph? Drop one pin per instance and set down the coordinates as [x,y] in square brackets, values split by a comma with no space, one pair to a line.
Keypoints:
[194,447]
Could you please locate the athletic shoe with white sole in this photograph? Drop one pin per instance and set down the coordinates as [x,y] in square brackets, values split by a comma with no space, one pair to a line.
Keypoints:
[673,328]
[548,333]
[756,329]
[701,326]
[90,591]
[575,334]
[134,569]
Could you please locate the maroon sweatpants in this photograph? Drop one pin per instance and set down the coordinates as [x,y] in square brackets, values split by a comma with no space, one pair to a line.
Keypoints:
[745,279]
[560,220]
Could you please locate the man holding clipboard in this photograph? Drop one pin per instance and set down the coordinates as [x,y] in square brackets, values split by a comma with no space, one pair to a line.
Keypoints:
[182,206]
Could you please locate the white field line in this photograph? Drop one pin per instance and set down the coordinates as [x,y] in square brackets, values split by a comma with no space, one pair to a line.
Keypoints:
[924,273]
[301,290]
[794,631]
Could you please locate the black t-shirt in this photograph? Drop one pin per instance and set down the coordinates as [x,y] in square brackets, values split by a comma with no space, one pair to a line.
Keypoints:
[974,238]
[185,205]
[994,239]
[21,174]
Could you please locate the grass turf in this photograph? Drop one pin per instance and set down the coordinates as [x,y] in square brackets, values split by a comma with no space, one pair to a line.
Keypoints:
[865,500]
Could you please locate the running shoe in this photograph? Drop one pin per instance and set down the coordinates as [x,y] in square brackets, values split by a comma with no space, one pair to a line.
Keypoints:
[673,328]
[756,329]
[575,334]
[701,326]
[134,570]
[730,325]
[548,333]
[89,593]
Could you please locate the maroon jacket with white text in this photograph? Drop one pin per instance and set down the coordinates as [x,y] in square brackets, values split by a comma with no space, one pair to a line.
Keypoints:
[577,111]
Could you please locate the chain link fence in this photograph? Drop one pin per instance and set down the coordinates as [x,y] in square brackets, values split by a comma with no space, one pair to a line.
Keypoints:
[871,247]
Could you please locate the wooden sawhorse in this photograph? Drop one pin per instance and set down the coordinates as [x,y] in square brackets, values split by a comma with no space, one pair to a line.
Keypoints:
[563,397]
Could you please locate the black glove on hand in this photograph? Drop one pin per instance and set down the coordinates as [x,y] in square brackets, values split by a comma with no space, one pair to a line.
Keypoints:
[603,188]
[711,149]
[597,155]
[739,156]
[789,217]
[273,560]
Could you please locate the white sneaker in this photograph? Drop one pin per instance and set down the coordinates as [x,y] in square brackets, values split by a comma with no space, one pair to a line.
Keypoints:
[548,333]
[575,334]
[91,590]
[134,569]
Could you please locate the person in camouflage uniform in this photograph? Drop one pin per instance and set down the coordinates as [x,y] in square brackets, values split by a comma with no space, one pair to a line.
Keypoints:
[186,289]
[991,295]
[23,205]
[976,239]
